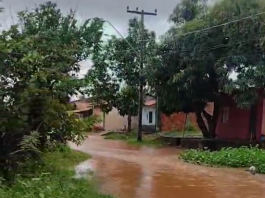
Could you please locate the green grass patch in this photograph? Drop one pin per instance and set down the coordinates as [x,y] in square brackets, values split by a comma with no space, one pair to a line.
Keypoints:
[243,157]
[148,139]
[54,180]
[195,134]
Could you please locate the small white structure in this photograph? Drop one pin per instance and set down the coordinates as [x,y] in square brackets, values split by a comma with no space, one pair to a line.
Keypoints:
[149,115]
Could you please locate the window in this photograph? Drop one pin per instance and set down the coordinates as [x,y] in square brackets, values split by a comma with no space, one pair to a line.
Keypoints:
[225,114]
[150,117]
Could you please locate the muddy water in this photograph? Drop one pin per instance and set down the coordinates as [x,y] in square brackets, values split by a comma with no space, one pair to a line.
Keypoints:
[139,172]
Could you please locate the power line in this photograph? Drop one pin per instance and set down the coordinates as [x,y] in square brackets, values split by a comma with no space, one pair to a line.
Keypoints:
[192,32]
[207,49]
[220,25]
[173,50]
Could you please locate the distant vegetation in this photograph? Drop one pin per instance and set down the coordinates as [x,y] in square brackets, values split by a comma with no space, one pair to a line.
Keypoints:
[243,157]
[130,138]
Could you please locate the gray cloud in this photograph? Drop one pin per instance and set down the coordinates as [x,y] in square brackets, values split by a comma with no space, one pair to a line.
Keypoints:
[111,10]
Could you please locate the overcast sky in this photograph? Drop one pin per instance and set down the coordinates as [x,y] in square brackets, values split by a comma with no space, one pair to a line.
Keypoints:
[111,10]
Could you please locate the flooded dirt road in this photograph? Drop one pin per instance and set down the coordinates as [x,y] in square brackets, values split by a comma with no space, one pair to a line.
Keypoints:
[139,172]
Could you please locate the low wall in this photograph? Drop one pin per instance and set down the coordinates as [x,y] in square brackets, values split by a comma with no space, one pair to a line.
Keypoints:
[149,128]
[199,143]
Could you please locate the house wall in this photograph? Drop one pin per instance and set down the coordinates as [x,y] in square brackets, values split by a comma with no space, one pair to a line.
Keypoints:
[176,121]
[145,116]
[238,123]
[262,119]
[97,112]
[114,121]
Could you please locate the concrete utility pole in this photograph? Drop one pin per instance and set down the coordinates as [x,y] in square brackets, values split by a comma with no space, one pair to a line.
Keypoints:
[140,105]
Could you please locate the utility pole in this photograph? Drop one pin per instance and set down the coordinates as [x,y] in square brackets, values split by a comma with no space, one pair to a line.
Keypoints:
[142,56]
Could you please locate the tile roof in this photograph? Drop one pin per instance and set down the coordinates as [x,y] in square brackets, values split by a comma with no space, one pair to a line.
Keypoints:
[150,102]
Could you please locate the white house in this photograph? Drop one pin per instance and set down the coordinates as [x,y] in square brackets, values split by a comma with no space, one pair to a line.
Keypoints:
[149,115]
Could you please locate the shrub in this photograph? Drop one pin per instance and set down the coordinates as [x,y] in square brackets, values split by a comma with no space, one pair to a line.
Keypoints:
[190,127]
[54,178]
[37,55]
[229,157]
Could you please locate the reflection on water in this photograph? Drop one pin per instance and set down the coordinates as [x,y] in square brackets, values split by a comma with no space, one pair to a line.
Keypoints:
[139,172]
[117,171]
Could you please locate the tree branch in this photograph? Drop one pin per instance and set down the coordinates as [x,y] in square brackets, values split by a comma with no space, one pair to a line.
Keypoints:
[207,116]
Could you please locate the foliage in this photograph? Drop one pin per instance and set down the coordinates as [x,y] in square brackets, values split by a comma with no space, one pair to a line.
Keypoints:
[35,60]
[188,10]
[127,103]
[189,126]
[125,59]
[196,67]
[148,140]
[101,85]
[91,121]
[54,179]
[115,75]
[229,157]
[187,134]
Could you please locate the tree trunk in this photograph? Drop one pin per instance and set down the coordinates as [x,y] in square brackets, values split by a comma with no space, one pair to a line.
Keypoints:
[213,123]
[211,120]
[201,124]
[129,123]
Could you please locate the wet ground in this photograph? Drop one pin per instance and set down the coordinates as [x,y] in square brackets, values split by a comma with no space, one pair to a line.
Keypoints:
[139,172]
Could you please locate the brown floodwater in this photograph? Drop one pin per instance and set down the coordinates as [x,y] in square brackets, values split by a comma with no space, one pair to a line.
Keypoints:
[127,171]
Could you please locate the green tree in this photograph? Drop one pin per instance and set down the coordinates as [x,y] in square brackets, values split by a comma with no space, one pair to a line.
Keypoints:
[127,103]
[196,65]
[35,60]
[101,84]
[119,63]
[124,59]
[188,10]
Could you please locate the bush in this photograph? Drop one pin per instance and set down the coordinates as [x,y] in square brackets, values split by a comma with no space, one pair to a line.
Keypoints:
[35,84]
[190,127]
[54,178]
[229,157]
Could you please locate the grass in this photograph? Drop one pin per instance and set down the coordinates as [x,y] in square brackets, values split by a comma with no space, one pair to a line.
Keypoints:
[243,157]
[54,180]
[195,134]
[130,138]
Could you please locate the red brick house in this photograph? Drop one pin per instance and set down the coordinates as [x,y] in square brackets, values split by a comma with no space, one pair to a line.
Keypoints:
[244,124]
[176,121]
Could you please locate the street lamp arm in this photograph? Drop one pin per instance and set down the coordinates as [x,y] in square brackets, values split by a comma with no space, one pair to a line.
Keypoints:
[133,48]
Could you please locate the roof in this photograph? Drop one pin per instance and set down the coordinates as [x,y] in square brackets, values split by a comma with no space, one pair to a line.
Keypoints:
[150,103]
[81,106]
[90,99]
[81,110]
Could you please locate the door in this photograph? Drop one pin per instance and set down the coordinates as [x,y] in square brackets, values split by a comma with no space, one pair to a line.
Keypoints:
[150,117]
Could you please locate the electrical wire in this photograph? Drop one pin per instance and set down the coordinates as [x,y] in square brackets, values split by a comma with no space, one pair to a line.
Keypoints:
[219,25]
[260,36]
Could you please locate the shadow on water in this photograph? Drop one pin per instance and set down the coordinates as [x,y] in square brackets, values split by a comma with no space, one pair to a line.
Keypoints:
[140,172]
